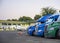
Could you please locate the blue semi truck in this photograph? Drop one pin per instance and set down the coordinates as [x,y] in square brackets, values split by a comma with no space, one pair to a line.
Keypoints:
[39,27]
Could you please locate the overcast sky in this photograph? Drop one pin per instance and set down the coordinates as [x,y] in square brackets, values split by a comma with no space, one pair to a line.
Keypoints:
[15,8]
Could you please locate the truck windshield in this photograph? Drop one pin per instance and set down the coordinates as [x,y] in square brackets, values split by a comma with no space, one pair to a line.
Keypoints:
[49,21]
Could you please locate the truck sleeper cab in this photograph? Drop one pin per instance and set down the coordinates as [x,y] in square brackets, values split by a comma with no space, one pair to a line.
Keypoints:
[53,30]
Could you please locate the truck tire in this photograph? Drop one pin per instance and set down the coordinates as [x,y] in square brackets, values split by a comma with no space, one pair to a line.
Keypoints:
[34,33]
[58,34]
[45,31]
[45,35]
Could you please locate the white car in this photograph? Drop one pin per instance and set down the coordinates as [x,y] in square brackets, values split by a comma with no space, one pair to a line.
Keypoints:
[20,28]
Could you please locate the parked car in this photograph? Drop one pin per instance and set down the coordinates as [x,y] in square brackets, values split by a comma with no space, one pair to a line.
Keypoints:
[20,28]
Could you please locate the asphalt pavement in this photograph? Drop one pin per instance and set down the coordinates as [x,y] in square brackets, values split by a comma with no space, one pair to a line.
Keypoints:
[23,37]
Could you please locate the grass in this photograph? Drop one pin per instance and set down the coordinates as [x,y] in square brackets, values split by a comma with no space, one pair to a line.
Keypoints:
[5,21]
[7,29]
[1,30]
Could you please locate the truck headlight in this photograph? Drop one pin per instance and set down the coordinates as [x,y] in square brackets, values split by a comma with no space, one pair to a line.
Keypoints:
[29,29]
[52,28]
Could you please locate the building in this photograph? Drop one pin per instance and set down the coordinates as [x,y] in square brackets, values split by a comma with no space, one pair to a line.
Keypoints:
[11,25]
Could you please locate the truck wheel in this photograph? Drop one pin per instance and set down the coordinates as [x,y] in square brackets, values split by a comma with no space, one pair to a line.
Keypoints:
[58,34]
[45,35]
[33,32]
[45,31]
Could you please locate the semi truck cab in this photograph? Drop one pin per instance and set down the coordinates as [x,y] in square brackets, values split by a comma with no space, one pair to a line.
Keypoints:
[36,29]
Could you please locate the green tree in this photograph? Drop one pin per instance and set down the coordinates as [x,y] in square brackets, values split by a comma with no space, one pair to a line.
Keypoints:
[59,11]
[48,10]
[37,17]
[24,18]
[14,19]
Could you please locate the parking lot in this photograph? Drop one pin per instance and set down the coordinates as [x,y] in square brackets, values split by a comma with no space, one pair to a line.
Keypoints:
[23,37]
